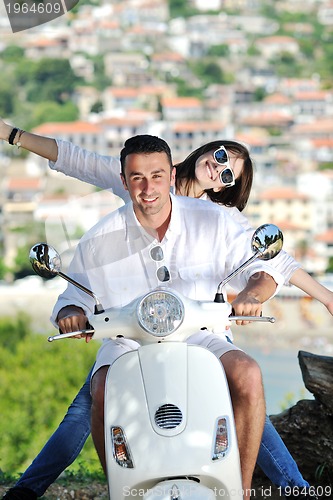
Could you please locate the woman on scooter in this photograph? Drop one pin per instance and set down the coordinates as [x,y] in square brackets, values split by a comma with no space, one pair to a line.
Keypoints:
[220,171]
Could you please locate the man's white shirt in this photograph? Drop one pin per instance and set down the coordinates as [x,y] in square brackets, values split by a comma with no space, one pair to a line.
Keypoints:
[202,245]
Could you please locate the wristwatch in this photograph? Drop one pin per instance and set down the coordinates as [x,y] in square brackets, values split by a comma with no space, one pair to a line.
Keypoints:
[18,143]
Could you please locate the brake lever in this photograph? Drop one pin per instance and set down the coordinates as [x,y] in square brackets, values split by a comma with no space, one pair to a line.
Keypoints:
[269,319]
[88,331]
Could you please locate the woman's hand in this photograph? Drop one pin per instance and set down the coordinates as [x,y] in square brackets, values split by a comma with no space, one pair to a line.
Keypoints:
[5,130]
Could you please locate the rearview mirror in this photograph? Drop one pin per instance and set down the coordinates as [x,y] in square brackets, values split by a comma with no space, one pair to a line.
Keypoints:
[267,241]
[45,260]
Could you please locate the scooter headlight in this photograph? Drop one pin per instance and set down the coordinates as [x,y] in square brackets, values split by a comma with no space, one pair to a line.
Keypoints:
[160,313]
[221,439]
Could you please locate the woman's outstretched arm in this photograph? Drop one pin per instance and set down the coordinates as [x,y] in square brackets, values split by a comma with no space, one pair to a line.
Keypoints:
[69,159]
[42,146]
[312,287]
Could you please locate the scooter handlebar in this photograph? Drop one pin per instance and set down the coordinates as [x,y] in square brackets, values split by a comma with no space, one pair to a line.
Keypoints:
[91,331]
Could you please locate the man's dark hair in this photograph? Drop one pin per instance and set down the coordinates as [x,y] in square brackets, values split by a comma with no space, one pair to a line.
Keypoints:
[144,144]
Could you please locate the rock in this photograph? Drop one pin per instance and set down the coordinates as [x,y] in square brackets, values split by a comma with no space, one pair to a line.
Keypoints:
[95,490]
[317,372]
[307,430]
[307,427]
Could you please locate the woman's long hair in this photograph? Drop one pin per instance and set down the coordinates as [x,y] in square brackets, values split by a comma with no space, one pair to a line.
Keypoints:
[234,196]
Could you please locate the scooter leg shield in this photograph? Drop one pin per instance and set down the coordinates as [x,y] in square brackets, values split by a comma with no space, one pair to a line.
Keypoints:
[168,399]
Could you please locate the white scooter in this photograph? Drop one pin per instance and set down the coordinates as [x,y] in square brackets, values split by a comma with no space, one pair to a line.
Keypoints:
[169,426]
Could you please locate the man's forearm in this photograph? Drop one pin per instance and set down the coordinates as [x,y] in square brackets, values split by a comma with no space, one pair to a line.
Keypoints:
[261,286]
[42,146]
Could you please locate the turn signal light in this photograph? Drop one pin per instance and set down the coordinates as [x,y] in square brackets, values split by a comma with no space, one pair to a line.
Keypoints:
[221,442]
[120,448]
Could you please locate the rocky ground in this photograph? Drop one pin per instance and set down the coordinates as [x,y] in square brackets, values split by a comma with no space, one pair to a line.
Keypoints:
[60,491]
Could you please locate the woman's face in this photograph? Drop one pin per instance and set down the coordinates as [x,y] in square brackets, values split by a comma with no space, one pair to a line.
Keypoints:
[207,170]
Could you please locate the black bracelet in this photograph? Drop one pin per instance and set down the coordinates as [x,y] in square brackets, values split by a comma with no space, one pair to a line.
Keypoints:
[12,136]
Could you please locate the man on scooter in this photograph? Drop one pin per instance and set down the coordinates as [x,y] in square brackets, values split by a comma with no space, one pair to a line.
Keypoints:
[114,258]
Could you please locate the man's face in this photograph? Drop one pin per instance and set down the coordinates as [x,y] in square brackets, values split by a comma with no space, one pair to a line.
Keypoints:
[148,178]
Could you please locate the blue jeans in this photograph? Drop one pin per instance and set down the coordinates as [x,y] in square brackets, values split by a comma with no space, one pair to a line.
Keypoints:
[275,460]
[63,446]
[67,441]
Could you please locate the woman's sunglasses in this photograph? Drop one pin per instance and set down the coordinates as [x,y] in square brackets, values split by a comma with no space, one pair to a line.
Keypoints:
[227,176]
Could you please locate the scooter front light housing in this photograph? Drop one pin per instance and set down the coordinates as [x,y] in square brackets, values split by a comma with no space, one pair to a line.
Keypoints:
[120,448]
[221,440]
[160,313]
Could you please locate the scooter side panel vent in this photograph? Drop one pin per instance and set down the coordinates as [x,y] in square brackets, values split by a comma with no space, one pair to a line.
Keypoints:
[168,416]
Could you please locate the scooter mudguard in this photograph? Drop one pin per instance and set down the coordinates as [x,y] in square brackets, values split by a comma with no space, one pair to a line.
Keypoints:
[168,399]
[183,489]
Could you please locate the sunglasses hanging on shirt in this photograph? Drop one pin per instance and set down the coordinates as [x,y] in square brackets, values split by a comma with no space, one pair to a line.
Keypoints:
[162,273]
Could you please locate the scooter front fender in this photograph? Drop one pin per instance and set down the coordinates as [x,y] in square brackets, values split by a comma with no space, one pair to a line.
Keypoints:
[180,488]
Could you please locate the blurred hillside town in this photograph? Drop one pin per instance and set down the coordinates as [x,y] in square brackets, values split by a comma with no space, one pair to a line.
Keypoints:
[283,117]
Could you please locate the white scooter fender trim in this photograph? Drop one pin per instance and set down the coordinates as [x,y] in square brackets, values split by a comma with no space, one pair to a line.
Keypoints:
[184,488]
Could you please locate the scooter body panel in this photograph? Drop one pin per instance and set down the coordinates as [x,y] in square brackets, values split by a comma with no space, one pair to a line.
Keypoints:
[186,377]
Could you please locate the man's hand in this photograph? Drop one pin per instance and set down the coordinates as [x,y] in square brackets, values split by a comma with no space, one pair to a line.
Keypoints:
[248,302]
[72,319]
[246,305]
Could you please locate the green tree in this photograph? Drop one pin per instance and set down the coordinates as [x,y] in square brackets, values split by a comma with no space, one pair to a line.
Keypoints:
[324,63]
[326,166]
[330,265]
[97,107]
[3,269]
[209,72]
[219,50]
[12,53]
[32,232]
[181,8]
[38,381]
[101,80]
[22,267]
[79,4]
[184,89]
[24,72]
[6,98]
[253,51]
[51,80]
[283,62]
[308,48]
[259,94]
[7,87]
[13,331]
[47,111]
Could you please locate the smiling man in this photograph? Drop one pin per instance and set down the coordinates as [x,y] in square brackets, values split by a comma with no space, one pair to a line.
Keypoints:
[147,178]
[197,244]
